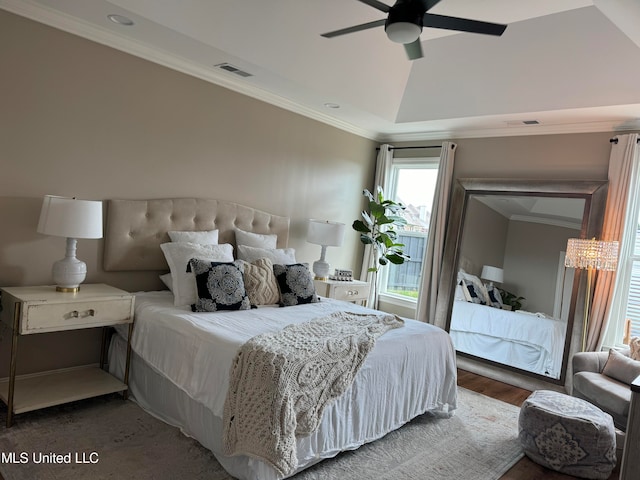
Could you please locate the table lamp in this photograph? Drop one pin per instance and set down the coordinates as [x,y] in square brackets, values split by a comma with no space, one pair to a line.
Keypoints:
[326,234]
[493,274]
[73,219]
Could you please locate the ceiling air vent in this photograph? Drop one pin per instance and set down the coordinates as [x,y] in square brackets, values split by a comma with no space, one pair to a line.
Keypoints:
[235,70]
[516,123]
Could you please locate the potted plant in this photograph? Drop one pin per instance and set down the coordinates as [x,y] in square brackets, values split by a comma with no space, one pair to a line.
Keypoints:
[511,299]
[378,229]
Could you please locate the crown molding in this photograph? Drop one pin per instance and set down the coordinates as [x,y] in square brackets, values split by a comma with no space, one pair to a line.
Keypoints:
[511,131]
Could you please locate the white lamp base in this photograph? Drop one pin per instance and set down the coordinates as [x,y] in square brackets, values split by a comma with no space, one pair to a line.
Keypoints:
[321,270]
[321,267]
[69,272]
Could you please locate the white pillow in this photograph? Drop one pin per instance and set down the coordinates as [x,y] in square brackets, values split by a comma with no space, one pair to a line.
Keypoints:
[166,279]
[178,256]
[207,237]
[257,240]
[283,256]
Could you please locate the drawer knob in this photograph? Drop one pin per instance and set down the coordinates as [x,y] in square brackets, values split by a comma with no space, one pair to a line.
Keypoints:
[75,314]
[91,312]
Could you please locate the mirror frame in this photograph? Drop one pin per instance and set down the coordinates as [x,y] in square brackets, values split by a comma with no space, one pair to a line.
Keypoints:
[594,193]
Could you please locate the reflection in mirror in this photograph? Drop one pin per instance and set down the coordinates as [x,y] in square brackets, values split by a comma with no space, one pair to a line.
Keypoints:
[513,311]
[512,296]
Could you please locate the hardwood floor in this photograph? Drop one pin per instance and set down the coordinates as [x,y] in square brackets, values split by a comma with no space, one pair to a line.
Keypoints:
[525,469]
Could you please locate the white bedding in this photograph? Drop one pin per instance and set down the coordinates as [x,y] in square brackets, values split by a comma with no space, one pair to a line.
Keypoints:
[411,370]
[523,340]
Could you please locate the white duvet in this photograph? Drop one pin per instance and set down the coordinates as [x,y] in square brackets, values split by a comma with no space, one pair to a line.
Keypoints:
[521,339]
[410,371]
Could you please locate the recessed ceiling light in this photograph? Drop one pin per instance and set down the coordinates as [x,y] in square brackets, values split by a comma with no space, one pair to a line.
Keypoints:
[120,20]
[331,105]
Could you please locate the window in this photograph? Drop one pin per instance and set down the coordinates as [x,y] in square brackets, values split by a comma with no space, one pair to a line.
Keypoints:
[633,302]
[412,183]
[624,317]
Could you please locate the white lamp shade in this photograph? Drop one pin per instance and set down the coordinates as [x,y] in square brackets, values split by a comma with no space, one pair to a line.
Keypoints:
[71,218]
[493,274]
[325,233]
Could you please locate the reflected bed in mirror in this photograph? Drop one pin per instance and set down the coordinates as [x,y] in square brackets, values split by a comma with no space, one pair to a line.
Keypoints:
[505,296]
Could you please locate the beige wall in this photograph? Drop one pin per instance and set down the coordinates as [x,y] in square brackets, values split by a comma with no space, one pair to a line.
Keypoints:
[80,119]
[484,238]
[531,262]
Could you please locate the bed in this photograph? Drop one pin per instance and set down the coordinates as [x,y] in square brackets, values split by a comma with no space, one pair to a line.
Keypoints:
[530,341]
[183,362]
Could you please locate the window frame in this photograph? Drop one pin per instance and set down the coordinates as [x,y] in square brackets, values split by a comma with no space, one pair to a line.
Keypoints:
[391,187]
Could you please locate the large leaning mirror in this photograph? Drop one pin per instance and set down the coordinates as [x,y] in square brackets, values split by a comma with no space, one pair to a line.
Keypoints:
[511,307]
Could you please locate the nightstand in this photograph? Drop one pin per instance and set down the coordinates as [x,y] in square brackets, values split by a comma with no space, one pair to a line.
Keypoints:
[32,310]
[353,291]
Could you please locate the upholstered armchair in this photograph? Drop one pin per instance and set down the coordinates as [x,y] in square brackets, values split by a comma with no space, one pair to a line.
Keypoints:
[604,379]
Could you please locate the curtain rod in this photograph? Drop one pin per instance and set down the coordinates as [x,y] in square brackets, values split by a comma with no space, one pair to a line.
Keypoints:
[615,140]
[408,148]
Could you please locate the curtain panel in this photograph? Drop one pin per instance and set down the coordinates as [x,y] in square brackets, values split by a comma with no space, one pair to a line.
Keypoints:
[620,194]
[608,310]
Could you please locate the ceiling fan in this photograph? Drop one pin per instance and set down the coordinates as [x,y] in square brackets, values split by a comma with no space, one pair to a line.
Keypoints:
[406,19]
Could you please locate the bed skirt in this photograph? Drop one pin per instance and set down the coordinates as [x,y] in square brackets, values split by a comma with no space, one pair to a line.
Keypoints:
[164,400]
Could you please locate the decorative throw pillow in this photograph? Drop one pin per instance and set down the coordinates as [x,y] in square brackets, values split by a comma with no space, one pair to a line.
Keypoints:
[634,345]
[284,256]
[478,286]
[220,286]
[495,298]
[178,256]
[473,294]
[260,282]
[257,240]
[295,283]
[207,237]
[621,367]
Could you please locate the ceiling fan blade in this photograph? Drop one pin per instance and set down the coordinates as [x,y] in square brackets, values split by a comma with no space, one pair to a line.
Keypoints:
[413,49]
[462,24]
[375,4]
[356,28]
[429,4]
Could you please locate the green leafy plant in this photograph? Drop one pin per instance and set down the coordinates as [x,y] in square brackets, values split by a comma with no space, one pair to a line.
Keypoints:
[377,228]
[511,299]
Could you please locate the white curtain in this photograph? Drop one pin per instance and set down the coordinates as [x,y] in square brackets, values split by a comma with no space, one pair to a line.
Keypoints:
[383,169]
[607,311]
[432,263]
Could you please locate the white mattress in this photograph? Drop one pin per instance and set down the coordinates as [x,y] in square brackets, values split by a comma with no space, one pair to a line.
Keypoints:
[523,340]
[182,360]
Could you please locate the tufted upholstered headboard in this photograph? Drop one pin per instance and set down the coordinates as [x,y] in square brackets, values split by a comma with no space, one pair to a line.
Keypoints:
[136,228]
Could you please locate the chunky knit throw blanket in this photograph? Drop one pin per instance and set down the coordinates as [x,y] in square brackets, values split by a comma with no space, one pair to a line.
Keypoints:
[281,382]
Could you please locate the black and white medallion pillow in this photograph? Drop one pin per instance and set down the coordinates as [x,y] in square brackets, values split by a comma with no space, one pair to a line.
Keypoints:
[219,285]
[296,286]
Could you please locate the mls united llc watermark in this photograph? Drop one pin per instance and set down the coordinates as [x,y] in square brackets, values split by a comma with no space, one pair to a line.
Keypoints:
[50,457]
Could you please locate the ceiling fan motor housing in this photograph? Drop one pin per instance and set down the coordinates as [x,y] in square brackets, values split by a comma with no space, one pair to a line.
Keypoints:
[404,23]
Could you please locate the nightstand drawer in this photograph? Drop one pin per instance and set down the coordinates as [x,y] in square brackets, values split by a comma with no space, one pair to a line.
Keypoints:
[44,317]
[350,293]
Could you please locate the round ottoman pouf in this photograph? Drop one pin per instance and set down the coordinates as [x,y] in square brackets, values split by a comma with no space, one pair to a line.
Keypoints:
[567,434]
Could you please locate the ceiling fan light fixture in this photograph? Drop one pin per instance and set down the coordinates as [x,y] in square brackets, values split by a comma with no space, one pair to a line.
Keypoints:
[403,32]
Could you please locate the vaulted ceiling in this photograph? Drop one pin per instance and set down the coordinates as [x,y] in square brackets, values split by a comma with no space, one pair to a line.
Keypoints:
[569,65]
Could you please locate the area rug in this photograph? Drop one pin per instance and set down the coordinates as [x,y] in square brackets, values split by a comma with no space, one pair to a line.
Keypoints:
[108,438]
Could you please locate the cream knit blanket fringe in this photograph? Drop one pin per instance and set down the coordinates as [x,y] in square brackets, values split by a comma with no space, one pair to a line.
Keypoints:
[281,382]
